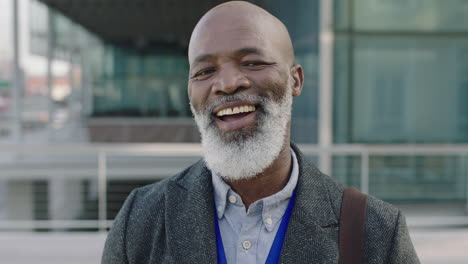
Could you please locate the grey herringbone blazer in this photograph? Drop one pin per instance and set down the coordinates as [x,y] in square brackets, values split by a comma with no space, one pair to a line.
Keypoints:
[172,222]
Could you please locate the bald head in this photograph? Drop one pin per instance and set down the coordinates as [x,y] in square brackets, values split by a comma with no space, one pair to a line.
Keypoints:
[241,20]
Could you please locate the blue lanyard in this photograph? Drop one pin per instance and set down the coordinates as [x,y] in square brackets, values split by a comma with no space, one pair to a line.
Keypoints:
[275,250]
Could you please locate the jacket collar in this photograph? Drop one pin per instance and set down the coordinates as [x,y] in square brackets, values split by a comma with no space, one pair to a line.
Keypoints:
[312,230]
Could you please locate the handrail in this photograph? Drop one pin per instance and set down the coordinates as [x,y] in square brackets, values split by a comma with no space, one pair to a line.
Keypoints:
[169,149]
[163,149]
[102,151]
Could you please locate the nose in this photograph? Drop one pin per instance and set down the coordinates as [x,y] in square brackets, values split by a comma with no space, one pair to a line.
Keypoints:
[230,80]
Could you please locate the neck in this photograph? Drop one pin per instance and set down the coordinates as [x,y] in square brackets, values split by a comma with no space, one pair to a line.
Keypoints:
[270,181]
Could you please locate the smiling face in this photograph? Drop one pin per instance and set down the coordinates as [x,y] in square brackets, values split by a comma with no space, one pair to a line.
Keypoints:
[241,83]
[231,55]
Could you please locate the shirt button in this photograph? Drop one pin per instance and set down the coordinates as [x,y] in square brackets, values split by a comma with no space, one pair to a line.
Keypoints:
[246,244]
[232,199]
[268,221]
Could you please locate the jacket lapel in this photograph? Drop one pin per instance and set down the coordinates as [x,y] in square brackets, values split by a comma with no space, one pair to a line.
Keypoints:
[192,234]
[313,229]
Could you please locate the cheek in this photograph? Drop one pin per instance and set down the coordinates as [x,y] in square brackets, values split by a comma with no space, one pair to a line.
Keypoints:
[275,87]
[197,96]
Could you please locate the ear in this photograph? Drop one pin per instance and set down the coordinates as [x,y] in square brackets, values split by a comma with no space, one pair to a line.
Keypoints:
[298,79]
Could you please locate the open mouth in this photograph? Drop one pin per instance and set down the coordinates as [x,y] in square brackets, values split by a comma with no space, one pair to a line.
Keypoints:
[235,117]
[235,112]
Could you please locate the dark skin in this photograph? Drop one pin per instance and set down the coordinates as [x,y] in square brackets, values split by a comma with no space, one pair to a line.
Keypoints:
[238,47]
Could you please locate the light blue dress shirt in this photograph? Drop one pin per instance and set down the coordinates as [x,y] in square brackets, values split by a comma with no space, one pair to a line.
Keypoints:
[248,236]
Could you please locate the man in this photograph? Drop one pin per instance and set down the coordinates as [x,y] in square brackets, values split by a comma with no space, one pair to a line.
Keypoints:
[253,198]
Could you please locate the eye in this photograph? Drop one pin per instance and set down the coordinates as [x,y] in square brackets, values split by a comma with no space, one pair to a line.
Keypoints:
[253,63]
[204,73]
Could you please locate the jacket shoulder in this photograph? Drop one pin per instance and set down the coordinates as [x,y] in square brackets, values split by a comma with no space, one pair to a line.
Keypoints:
[140,222]
[386,234]
[387,238]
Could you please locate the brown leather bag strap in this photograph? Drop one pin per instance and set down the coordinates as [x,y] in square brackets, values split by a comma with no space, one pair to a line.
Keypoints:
[352,223]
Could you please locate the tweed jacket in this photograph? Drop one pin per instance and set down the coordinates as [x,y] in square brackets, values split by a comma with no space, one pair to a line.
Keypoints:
[173,222]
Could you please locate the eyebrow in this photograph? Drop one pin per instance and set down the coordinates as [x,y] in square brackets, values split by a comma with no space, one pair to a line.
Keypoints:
[239,52]
[248,50]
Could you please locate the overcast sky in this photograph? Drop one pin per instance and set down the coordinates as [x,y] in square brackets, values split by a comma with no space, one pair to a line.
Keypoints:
[33,65]
[5,28]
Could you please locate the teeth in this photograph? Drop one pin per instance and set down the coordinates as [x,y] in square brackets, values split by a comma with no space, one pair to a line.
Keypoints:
[236,110]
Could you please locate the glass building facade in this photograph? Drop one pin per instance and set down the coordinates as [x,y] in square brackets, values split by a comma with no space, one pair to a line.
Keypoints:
[401,77]
[151,82]
[401,71]
[148,84]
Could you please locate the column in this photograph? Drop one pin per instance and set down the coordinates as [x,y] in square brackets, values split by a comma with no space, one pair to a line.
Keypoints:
[326,85]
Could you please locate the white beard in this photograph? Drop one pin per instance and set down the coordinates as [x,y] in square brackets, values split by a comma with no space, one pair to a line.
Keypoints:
[246,156]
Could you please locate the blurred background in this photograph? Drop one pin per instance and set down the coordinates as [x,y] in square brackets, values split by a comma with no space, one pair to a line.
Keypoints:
[93,104]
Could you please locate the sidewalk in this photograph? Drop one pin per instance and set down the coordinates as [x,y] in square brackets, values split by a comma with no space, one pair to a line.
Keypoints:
[51,248]
[448,246]
[441,245]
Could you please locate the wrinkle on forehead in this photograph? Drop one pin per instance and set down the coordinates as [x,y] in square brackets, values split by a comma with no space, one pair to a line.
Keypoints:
[245,20]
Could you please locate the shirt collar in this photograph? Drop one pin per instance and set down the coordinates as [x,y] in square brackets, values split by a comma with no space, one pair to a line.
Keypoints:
[222,190]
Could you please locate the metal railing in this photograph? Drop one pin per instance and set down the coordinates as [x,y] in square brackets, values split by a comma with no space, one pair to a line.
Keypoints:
[101,153]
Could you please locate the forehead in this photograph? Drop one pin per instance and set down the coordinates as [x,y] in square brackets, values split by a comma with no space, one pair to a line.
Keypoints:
[227,39]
